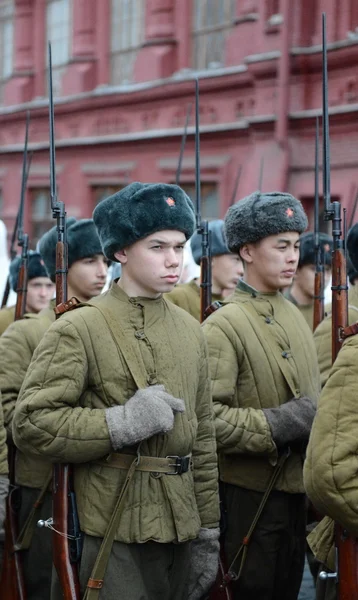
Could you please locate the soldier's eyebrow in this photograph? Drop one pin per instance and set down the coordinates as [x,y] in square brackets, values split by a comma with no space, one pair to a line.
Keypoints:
[166,243]
[286,241]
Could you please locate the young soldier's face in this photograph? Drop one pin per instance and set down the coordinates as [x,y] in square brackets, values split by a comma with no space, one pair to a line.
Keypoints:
[305,277]
[40,291]
[272,263]
[87,276]
[226,270]
[152,265]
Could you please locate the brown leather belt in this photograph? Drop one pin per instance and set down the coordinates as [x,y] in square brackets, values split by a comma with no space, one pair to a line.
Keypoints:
[170,465]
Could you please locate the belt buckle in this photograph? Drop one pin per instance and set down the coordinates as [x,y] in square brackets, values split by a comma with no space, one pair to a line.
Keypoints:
[179,464]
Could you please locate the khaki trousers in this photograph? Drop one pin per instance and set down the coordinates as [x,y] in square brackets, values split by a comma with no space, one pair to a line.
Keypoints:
[149,571]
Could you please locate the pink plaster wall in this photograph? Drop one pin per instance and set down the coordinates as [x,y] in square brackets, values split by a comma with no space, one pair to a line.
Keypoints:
[255,110]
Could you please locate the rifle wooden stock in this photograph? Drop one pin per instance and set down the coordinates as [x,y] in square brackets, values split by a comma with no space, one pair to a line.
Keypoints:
[61,272]
[6,293]
[21,291]
[66,565]
[66,569]
[221,590]
[12,584]
[318,305]
[339,300]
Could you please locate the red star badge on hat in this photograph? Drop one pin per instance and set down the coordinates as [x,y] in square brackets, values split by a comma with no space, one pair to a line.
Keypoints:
[170,201]
[289,212]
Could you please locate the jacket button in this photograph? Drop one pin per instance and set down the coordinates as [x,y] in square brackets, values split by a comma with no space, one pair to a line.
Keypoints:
[152,379]
[140,335]
[285,354]
[268,320]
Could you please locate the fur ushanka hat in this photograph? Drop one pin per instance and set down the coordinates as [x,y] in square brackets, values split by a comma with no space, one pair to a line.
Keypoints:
[218,243]
[36,268]
[140,209]
[82,241]
[260,215]
[307,249]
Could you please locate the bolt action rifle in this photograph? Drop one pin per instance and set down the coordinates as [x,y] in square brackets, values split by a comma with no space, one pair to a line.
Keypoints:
[220,591]
[12,582]
[346,544]
[318,306]
[66,539]
[202,226]
[13,240]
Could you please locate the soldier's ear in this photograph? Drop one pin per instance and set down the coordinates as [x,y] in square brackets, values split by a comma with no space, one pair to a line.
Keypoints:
[121,256]
[245,253]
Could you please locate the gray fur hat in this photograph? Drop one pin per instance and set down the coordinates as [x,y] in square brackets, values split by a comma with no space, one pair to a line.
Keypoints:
[82,241]
[218,243]
[262,214]
[140,209]
[36,268]
[307,250]
[352,245]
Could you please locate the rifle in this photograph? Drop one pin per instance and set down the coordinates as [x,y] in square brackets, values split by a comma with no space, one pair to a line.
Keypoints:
[64,523]
[13,239]
[182,146]
[201,226]
[346,544]
[12,578]
[318,307]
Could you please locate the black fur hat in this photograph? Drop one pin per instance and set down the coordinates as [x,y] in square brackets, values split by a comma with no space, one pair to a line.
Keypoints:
[218,243]
[82,241]
[352,245]
[259,215]
[36,268]
[140,209]
[307,250]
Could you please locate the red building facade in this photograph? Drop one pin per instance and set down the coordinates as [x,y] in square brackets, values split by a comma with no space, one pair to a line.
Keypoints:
[124,76]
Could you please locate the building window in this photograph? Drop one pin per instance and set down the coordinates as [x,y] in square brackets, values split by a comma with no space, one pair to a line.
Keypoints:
[127,36]
[58,31]
[211,22]
[6,42]
[41,215]
[272,8]
[210,208]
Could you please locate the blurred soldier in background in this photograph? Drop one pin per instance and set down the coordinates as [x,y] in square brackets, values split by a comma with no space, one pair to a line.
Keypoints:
[226,269]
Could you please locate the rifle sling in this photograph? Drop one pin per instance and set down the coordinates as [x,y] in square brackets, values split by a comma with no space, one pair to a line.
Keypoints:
[24,539]
[95,582]
[231,575]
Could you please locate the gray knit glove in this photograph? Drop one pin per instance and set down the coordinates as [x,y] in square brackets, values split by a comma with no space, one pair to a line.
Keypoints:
[291,422]
[204,562]
[147,413]
[4,489]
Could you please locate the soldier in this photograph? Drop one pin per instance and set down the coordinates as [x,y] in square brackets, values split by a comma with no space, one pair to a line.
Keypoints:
[40,288]
[80,403]
[302,291]
[226,269]
[86,278]
[331,452]
[323,334]
[264,374]
[4,481]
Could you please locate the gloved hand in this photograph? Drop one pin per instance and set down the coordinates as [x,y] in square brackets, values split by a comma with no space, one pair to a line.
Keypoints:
[4,489]
[291,422]
[147,413]
[204,562]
